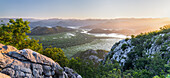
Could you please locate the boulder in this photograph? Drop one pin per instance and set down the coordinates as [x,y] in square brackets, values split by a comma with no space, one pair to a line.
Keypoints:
[30,64]
[4,76]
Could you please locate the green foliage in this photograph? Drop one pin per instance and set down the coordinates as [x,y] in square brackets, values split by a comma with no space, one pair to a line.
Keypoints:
[138,65]
[167,67]
[14,33]
[126,39]
[132,36]
[57,55]
[159,40]
[63,40]
[166,27]
[142,65]
[87,70]
[167,76]
[139,73]
[124,46]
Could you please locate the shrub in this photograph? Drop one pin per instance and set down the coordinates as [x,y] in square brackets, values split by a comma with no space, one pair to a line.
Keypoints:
[57,55]
[14,33]
[124,46]
[126,39]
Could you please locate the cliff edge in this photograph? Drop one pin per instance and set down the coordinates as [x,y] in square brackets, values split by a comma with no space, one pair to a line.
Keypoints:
[30,64]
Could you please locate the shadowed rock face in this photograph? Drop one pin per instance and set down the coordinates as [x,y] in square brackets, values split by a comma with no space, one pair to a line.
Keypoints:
[30,64]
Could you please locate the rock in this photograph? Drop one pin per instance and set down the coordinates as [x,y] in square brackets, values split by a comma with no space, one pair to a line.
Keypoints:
[7,48]
[71,73]
[119,54]
[30,64]
[47,68]
[4,76]
[19,74]
[9,71]
[95,56]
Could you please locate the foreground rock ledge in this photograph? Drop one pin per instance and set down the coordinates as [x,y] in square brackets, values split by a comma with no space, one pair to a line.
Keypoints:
[29,64]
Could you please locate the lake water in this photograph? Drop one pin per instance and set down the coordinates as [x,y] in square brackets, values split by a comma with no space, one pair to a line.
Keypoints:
[104,44]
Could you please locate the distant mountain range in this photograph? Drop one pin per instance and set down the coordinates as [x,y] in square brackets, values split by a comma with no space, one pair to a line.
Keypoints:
[58,22]
[133,25]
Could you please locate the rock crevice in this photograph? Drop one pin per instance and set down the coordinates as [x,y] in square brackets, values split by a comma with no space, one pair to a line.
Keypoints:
[30,64]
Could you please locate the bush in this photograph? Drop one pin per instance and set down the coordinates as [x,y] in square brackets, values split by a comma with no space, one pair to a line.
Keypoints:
[14,33]
[124,46]
[126,39]
[57,55]
[159,41]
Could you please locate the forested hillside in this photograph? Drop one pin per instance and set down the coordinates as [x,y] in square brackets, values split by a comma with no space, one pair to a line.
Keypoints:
[49,30]
[146,55]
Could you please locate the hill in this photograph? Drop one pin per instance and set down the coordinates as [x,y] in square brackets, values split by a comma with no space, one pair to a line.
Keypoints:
[109,31]
[95,55]
[49,30]
[146,52]
[132,25]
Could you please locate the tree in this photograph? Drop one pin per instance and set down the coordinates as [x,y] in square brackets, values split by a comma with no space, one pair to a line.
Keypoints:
[57,55]
[14,33]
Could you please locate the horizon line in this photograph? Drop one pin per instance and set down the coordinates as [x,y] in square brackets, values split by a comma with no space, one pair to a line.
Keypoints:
[47,18]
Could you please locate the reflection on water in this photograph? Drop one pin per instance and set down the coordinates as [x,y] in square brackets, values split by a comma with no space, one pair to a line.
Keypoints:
[110,35]
[104,44]
[106,35]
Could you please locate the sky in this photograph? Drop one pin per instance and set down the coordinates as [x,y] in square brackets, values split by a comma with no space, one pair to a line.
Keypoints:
[83,9]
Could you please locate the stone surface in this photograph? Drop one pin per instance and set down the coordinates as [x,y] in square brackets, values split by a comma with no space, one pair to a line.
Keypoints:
[96,56]
[4,76]
[29,64]
[120,55]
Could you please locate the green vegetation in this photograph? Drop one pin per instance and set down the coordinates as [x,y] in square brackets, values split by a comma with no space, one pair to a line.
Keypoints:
[14,33]
[87,70]
[139,65]
[142,65]
[57,55]
[49,30]
[63,40]
[124,46]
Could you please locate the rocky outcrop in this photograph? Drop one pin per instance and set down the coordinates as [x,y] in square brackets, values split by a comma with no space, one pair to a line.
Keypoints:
[30,64]
[94,55]
[152,45]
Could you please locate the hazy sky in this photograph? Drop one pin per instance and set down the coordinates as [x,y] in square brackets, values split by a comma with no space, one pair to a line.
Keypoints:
[85,8]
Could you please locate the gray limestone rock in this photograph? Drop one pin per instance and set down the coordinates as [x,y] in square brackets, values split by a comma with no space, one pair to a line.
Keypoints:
[29,64]
[120,55]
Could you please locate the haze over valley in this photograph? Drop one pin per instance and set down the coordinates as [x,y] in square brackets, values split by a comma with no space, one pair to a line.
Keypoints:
[84,39]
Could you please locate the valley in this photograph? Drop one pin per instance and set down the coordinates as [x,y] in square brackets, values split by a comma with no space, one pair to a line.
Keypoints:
[82,53]
[75,41]
[85,39]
